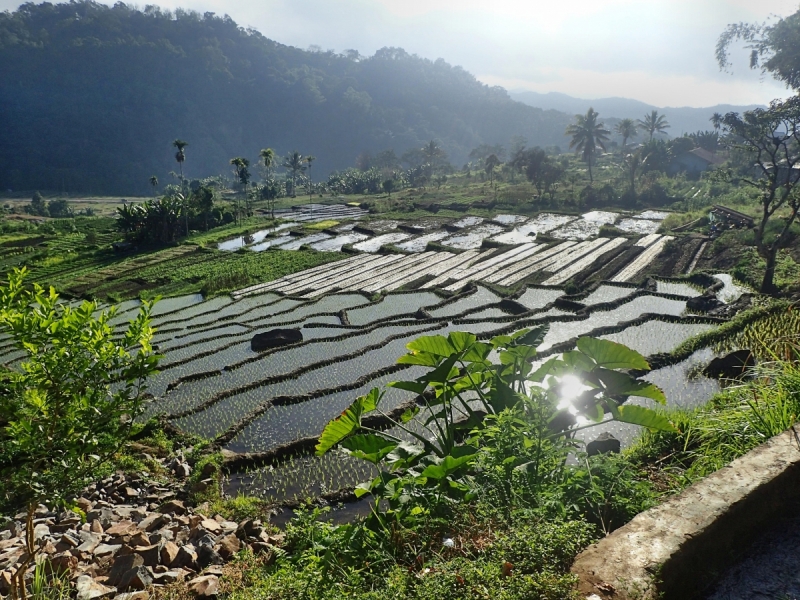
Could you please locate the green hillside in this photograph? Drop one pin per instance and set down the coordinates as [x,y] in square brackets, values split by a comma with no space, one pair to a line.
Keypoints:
[92,97]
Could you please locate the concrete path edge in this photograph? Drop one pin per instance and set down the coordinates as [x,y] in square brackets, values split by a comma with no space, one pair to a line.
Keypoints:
[679,548]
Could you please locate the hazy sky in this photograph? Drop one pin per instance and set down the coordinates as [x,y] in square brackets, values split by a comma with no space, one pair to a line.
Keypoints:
[658,51]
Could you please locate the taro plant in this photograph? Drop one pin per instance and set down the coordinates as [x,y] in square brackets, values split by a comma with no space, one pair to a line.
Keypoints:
[429,456]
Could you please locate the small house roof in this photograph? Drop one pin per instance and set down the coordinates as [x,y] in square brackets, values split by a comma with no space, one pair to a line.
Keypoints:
[707,156]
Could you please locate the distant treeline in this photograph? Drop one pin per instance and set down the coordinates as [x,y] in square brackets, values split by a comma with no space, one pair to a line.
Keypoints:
[92,97]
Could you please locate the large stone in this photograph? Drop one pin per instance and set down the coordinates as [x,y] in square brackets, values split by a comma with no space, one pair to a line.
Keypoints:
[229,546]
[211,526]
[89,589]
[730,310]
[187,557]
[154,521]
[62,563]
[142,595]
[171,576]
[122,566]
[732,366]
[89,541]
[275,338]
[40,531]
[150,554]
[169,552]
[704,303]
[122,528]
[204,586]
[138,578]
[104,550]
[605,443]
[206,555]
[174,507]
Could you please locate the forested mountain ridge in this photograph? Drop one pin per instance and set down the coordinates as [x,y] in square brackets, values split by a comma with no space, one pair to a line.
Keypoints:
[92,97]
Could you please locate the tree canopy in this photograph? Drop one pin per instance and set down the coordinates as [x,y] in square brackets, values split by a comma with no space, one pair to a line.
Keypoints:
[773,48]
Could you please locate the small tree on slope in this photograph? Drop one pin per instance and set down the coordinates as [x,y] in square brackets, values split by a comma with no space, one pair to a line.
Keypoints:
[71,404]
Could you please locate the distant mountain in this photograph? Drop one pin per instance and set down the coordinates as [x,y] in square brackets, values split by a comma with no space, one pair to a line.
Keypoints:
[682,120]
[92,97]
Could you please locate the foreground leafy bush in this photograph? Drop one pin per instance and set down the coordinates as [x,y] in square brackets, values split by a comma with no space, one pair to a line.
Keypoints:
[71,403]
[518,423]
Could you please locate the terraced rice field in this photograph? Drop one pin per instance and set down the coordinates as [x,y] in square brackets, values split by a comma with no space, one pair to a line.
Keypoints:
[357,315]
[466,233]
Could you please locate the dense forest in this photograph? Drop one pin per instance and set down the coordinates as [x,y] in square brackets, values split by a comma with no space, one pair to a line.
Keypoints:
[93,96]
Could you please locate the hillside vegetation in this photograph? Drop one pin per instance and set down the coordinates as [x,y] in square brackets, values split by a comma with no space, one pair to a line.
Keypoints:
[98,93]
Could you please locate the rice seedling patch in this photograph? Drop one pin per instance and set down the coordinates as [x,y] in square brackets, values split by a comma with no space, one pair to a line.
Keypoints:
[472,238]
[683,383]
[465,222]
[225,413]
[474,301]
[305,240]
[515,236]
[302,477]
[374,244]
[657,336]
[419,244]
[678,289]
[534,298]
[282,424]
[335,244]
[391,306]
[510,219]
[608,293]
[655,215]
[272,242]
[732,290]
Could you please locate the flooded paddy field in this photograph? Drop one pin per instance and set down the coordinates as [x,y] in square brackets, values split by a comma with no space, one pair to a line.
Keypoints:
[353,319]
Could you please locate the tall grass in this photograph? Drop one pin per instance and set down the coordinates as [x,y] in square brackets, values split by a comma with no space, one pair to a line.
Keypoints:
[730,425]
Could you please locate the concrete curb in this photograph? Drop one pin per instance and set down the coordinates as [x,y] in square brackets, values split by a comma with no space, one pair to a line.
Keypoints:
[678,549]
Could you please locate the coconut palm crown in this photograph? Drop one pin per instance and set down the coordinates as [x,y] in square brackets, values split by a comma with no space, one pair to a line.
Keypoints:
[587,136]
[653,123]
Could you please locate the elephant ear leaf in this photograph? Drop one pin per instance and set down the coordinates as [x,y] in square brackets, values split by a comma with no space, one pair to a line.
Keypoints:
[348,422]
[446,467]
[370,447]
[534,337]
[437,345]
[646,417]
[612,355]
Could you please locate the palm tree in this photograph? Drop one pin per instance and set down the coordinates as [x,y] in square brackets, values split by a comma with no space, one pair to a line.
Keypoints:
[180,155]
[267,159]
[632,163]
[653,123]
[294,162]
[154,183]
[242,173]
[309,159]
[716,120]
[627,129]
[492,162]
[433,155]
[587,135]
